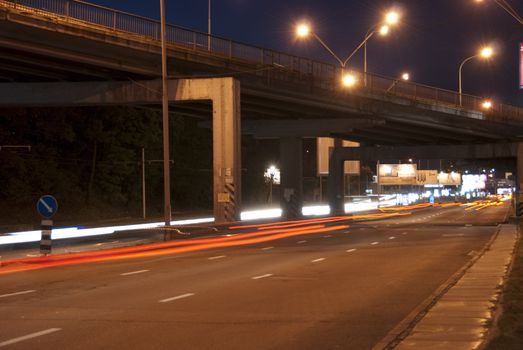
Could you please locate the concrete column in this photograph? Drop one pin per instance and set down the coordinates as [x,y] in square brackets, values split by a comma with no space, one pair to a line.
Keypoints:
[519,181]
[291,166]
[335,182]
[227,153]
[225,96]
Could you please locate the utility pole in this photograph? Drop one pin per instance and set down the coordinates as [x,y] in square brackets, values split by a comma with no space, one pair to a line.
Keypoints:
[165,124]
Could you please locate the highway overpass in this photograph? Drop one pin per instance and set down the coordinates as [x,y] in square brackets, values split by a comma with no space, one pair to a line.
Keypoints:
[60,52]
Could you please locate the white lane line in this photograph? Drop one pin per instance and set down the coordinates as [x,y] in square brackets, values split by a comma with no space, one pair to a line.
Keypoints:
[317,260]
[183,296]
[32,255]
[262,276]
[392,237]
[17,293]
[133,273]
[327,236]
[301,242]
[453,235]
[404,233]
[351,250]
[216,257]
[267,248]
[374,243]
[29,336]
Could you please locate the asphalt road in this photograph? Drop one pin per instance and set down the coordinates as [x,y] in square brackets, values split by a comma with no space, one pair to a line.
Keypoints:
[345,289]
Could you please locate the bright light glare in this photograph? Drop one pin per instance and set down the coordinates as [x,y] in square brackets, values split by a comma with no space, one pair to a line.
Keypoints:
[348,80]
[384,30]
[486,104]
[405,76]
[486,52]
[392,17]
[303,30]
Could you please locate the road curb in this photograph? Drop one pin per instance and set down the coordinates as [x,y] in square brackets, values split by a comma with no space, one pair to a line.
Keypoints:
[407,325]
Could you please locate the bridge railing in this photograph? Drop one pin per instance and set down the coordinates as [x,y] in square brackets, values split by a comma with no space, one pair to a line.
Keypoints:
[278,65]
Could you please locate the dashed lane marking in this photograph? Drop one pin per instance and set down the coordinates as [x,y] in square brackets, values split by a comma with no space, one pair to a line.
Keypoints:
[216,257]
[301,242]
[183,296]
[374,243]
[29,336]
[267,248]
[261,276]
[351,250]
[317,260]
[17,293]
[327,236]
[133,273]
[392,237]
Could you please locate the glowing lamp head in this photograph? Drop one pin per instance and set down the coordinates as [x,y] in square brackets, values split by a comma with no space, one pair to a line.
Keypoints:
[392,17]
[487,104]
[303,30]
[348,80]
[405,76]
[486,52]
[384,30]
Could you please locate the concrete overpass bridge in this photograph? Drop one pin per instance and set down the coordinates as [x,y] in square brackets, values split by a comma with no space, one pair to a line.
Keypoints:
[65,52]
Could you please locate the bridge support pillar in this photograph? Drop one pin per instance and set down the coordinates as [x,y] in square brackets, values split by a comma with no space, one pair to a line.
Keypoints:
[291,160]
[519,182]
[335,182]
[225,96]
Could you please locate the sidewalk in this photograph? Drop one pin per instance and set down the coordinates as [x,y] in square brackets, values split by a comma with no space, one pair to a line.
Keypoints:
[460,319]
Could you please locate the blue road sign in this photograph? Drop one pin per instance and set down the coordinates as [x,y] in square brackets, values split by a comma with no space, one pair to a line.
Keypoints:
[47,206]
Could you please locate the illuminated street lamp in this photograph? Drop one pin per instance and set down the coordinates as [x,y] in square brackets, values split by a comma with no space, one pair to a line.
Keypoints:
[487,104]
[391,18]
[509,9]
[349,80]
[485,53]
[405,77]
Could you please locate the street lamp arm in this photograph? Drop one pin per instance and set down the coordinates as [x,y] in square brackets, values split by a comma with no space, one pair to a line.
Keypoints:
[505,6]
[465,61]
[367,37]
[328,49]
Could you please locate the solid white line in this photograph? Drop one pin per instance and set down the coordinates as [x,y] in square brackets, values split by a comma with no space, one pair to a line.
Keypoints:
[216,257]
[392,237]
[262,276]
[318,260]
[29,336]
[176,297]
[351,250]
[133,273]
[374,243]
[18,293]
[301,242]
[267,248]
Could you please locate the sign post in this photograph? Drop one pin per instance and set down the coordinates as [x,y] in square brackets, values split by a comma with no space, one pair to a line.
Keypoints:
[46,207]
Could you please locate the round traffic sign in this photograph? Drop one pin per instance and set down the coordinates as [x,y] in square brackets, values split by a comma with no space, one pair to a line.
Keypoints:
[47,206]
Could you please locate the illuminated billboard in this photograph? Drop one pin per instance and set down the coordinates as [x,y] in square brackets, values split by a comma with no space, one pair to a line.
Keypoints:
[397,174]
[427,177]
[521,66]
[449,179]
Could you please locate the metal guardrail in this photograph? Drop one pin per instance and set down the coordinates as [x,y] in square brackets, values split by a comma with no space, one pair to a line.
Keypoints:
[322,75]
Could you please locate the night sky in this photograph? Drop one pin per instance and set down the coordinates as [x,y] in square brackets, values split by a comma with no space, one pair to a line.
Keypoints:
[432,40]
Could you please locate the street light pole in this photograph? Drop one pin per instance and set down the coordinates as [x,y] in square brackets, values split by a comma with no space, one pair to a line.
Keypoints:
[460,88]
[486,52]
[209,25]
[165,122]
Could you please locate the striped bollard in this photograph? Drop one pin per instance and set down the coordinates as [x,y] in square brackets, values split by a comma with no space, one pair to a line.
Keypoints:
[45,242]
